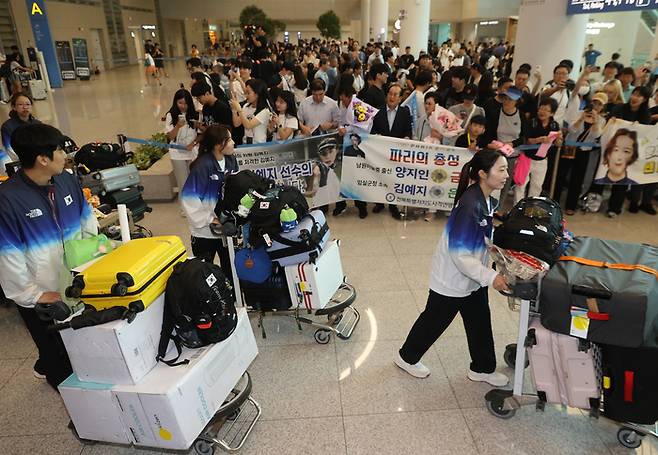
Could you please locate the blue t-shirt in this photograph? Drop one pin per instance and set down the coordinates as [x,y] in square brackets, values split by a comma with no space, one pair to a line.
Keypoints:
[591,56]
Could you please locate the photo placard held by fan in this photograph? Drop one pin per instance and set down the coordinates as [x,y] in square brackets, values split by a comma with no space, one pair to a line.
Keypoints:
[629,154]
[313,165]
[401,171]
[359,116]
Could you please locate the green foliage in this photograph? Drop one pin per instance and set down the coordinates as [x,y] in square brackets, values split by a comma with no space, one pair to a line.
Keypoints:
[329,25]
[145,155]
[253,15]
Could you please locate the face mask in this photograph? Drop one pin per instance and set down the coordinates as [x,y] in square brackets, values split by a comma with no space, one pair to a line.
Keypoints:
[229,147]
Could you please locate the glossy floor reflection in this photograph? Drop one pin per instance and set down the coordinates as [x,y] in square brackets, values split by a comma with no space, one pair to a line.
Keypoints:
[345,397]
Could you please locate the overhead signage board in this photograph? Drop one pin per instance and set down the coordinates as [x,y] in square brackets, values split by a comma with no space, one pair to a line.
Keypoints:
[608,6]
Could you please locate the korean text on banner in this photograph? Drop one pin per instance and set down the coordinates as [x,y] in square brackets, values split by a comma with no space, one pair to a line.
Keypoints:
[629,154]
[401,171]
[314,165]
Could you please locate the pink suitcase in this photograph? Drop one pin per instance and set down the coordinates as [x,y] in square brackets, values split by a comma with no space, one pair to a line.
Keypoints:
[563,373]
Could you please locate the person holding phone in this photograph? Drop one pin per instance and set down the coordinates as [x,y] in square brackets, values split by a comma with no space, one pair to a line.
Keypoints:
[461,276]
[180,128]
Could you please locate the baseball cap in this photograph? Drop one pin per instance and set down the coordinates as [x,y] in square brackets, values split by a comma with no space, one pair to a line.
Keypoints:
[470,91]
[513,93]
[600,97]
[327,145]
[479,119]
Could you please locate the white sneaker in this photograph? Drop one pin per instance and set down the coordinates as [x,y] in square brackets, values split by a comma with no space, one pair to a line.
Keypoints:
[495,379]
[417,370]
[39,375]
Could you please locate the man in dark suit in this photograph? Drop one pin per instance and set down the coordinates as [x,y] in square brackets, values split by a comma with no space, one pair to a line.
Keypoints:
[393,121]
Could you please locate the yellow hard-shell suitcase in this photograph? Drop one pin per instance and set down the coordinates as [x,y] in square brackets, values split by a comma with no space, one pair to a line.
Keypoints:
[133,275]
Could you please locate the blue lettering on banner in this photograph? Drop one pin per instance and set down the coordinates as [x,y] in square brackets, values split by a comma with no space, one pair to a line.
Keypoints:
[608,6]
[267,172]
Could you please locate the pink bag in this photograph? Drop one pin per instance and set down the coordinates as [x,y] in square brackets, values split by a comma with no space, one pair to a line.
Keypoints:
[522,169]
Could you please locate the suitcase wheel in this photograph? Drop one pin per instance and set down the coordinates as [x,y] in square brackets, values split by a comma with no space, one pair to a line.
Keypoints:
[119,290]
[97,176]
[629,438]
[125,279]
[73,292]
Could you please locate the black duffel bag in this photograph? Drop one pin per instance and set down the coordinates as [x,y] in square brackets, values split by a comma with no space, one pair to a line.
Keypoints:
[609,287]
[534,226]
[98,156]
[236,186]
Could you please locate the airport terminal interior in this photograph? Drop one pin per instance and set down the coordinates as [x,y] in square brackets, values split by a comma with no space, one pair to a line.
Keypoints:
[346,396]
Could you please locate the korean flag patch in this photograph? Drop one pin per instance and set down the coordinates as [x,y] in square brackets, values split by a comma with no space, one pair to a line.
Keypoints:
[211,280]
[68,200]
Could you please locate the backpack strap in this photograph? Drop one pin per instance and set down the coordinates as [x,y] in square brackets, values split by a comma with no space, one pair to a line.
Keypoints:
[608,265]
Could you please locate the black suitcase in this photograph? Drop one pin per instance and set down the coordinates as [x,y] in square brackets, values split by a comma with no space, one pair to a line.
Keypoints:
[132,198]
[630,384]
[98,156]
[268,296]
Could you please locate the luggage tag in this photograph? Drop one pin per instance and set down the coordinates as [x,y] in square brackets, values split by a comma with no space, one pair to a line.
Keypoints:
[268,240]
[579,322]
[304,287]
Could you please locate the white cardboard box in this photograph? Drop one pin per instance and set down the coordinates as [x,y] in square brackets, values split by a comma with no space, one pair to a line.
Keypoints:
[170,407]
[313,285]
[117,352]
[93,411]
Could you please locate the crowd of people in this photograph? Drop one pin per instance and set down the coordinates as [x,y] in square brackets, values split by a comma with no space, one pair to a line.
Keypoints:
[266,91]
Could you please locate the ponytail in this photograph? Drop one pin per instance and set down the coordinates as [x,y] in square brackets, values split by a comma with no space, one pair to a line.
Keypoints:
[481,161]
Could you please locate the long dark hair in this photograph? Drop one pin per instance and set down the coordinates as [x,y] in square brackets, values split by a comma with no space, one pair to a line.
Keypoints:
[260,89]
[213,135]
[175,112]
[289,99]
[482,161]
[300,80]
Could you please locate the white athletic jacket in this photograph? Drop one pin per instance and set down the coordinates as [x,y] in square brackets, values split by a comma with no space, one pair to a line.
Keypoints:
[460,262]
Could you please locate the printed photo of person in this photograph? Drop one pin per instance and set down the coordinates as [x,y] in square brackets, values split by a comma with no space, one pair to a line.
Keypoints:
[620,153]
[324,185]
[354,150]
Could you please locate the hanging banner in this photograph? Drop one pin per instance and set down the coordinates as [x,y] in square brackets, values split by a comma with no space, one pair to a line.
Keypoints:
[36,9]
[65,58]
[608,6]
[81,58]
[629,154]
[400,171]
[313,165]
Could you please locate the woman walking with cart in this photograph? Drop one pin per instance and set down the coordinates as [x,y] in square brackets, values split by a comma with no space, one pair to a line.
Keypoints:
[460,276]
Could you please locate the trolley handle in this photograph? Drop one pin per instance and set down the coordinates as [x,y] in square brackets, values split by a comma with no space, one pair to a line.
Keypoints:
[591,295]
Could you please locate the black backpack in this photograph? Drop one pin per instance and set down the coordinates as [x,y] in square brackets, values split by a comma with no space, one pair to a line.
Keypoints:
[265,214]
[236,186]
[98,156]
[199,308]
[535,226]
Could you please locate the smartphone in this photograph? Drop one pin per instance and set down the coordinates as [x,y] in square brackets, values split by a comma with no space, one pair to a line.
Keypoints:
[181,118]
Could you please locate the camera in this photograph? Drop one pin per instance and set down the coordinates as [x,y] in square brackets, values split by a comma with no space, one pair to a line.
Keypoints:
[570,85]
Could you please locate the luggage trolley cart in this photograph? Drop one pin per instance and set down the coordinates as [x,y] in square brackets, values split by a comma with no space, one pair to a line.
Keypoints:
[342,318]
[523,272]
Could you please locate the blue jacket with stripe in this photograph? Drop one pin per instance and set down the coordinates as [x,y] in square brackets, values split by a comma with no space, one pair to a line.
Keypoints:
[35,221]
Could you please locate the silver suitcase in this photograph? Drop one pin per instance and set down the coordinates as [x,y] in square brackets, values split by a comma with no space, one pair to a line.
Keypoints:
[113,179]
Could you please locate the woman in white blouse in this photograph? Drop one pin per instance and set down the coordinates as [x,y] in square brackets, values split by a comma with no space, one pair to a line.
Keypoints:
[180,130]
[255,114]
[284,125]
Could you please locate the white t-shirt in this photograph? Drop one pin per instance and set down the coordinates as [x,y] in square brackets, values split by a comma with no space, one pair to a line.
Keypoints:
[259,132]
[149,60]
[300,94]
[286,121]
[185,136]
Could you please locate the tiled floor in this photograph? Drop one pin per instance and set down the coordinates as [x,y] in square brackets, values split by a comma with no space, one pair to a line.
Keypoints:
[346,397]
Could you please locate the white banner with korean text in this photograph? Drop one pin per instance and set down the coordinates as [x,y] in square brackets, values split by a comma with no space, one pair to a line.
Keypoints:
[400,171]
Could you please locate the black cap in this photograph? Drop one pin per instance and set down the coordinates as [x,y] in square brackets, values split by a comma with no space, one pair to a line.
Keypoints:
[479,119]
[470,92]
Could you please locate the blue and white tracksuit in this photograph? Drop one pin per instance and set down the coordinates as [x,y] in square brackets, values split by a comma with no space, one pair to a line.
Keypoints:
[35,221]
[458,284]
[460,262]
[202,190]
